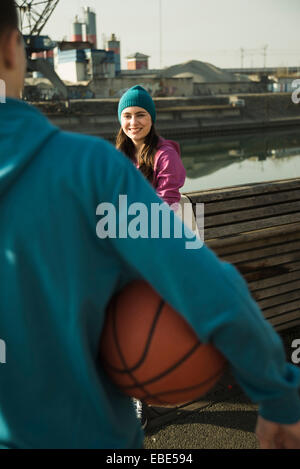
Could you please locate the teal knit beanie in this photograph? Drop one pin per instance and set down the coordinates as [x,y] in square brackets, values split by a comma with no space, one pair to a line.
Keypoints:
[137,96]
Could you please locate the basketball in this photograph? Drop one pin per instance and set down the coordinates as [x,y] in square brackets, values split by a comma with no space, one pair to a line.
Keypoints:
[151,353]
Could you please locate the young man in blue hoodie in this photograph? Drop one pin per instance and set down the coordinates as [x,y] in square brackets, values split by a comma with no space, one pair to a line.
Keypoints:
[57,277]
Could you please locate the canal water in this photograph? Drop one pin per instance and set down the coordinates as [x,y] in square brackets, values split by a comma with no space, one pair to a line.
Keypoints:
[240,159]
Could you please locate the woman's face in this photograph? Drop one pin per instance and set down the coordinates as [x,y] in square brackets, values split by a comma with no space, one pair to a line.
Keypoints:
[136,123]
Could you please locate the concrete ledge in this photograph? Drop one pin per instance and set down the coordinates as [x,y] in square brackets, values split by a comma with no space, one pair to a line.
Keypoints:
[180,117]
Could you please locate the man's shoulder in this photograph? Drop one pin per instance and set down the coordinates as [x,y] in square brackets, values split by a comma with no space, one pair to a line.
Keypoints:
[71,145]
[82,141]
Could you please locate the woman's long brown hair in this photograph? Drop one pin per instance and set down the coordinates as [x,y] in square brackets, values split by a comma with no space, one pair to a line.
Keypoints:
[146,158]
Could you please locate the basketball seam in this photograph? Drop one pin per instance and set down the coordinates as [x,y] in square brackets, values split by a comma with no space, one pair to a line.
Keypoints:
[159,396]
[171,368]
[149,339]
[158,312]
[189,388]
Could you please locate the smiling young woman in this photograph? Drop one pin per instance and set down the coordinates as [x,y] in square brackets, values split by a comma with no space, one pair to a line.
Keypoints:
[157,158]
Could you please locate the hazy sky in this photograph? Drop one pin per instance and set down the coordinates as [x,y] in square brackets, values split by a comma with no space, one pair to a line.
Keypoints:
[208,30]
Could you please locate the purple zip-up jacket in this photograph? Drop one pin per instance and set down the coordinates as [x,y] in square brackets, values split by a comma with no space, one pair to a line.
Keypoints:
[169,172]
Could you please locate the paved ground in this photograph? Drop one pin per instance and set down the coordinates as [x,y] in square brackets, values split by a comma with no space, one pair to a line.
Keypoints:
[223,419]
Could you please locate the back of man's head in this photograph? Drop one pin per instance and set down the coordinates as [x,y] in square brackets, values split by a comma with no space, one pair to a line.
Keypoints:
[8,16]
[12,52]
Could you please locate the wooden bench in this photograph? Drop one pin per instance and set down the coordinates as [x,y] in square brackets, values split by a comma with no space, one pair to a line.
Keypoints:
[256,227]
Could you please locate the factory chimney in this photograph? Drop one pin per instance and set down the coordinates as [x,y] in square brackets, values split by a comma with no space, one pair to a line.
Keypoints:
[114,46]
[91,29]
[77,31]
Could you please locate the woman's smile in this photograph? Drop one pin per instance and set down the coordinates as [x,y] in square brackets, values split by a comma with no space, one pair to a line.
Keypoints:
[135,130]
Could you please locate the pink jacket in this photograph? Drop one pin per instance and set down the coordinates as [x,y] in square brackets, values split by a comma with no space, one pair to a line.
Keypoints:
[169,172]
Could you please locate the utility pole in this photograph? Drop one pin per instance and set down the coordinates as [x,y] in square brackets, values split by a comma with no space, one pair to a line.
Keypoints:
[265,54]
[160,34]
[242,57]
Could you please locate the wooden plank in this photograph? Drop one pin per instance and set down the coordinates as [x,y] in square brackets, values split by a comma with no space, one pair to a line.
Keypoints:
[234,192]
[212,233]
[282,299]
[251,214]
[270,272]
[276,290]
[267,267]
[289,316]
[270,261]
[274,311]
[287,324]
[262,252]
[265,233]
[273,281]
[262,200]
[237,248]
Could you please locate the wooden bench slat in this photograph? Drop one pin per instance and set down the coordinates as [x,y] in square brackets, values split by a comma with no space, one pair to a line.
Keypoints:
[251,214]
[285,320]
[262,274]
[255,254]
[264,200]
[273,281]
[241,248]
[270,261]
[261,234]
[276,290]
[278,300]
[273,311]
[229,230]
[243,191]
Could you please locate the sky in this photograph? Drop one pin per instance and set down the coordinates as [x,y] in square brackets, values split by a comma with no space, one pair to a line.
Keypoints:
[175,31]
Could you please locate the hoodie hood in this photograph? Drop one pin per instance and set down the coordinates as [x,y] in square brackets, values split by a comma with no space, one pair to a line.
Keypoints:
[168,144]
[23,131]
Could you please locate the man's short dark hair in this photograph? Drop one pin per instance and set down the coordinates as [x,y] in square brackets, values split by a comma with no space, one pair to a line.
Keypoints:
[8,16]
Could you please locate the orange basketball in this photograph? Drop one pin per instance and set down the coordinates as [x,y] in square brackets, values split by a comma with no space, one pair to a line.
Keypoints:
[151,353]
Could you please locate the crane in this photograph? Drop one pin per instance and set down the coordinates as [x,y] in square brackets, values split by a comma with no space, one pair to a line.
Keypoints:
[34,14]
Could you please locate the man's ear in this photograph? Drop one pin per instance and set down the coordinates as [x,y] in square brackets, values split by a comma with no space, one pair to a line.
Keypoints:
[9,45]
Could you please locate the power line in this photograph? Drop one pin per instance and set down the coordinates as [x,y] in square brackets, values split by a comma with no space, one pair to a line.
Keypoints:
[160,33]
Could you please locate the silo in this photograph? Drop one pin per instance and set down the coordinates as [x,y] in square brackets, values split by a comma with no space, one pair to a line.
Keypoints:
[91,29]
[77,31]
[114,45]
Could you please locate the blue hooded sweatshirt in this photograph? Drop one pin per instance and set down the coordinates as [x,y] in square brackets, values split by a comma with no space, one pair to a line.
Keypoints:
[57,277]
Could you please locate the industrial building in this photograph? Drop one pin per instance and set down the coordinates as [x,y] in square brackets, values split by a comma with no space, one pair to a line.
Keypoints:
[209,80]
[137,61]
[79,59]
[78,65]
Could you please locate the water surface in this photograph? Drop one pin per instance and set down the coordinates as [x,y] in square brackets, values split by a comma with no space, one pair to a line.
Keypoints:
[240,159]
